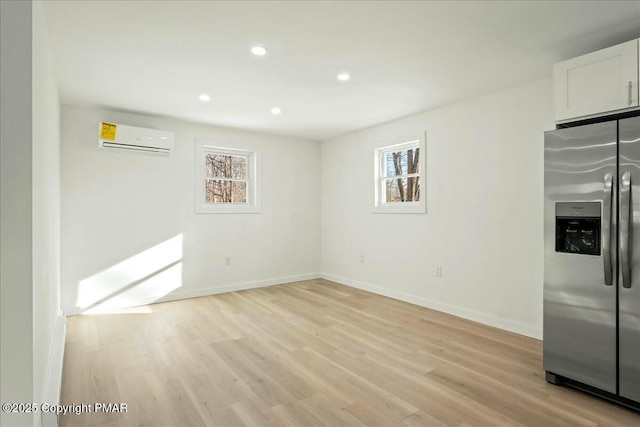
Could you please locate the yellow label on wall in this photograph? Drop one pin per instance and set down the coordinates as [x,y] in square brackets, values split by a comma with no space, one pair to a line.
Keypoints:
[108,131]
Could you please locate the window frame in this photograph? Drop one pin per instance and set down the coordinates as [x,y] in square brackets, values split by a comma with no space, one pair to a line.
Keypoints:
[252,205]
[380,176]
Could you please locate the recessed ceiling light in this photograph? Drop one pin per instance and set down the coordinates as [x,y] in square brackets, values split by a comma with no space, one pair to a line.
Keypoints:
[343,77]
[259,51]
[275,111]
[204,97]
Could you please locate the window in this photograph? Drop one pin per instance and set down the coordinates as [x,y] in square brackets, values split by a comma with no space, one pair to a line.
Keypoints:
[400,176]
[226,180]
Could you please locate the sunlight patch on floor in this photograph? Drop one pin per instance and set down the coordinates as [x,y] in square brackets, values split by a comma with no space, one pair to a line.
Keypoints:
[140,279]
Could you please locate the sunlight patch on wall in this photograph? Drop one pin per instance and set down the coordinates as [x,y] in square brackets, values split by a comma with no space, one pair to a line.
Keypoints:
[140,279]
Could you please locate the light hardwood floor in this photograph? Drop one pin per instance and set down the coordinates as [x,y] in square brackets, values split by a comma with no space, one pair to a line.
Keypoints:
[313,353]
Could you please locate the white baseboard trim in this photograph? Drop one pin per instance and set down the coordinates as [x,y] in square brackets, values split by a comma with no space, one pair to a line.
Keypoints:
[53,382]
[174,296]
[236,287]
[483,318]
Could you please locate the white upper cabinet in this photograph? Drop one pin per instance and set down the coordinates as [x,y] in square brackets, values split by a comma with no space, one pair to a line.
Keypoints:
[596,83]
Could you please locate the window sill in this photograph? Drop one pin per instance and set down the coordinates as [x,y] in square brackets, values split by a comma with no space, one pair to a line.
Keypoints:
[417,208]
[206,209]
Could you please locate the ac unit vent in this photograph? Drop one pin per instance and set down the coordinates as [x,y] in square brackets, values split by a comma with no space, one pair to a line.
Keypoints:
[123,137]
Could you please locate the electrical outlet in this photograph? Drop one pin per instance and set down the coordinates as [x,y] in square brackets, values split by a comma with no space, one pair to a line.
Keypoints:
[227,261]
[439,271]
[362,259]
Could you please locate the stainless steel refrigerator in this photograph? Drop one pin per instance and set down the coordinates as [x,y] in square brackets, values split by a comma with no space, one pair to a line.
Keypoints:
[592,258]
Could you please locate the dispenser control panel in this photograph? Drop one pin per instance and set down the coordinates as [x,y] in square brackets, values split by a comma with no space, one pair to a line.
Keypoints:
[578,227]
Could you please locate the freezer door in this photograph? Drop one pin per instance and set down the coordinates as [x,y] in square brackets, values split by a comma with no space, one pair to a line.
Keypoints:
[629,276]
[579,298]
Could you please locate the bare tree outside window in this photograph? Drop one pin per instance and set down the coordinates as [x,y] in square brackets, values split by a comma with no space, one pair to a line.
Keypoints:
[400,175]
[225,178]
[402,181]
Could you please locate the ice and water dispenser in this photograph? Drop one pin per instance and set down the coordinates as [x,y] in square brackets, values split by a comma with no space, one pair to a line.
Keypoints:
[578,227]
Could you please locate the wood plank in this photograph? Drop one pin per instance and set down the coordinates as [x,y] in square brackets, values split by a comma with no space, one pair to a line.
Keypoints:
[313,353]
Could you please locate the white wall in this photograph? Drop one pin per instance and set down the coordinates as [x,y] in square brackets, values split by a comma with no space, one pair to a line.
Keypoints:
[484,211]
[47,341]
[484,180]
[16,295]
[118,204]
[30,208]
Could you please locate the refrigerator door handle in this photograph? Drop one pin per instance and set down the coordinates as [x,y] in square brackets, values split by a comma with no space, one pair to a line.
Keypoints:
[606,229]
[625,213]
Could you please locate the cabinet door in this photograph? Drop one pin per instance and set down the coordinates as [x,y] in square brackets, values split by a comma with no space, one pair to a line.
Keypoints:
[599,82]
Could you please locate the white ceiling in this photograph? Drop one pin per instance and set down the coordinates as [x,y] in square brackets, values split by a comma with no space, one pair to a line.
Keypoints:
[156,57]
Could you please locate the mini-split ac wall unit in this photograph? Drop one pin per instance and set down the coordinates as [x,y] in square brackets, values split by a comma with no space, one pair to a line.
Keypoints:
[122,137]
